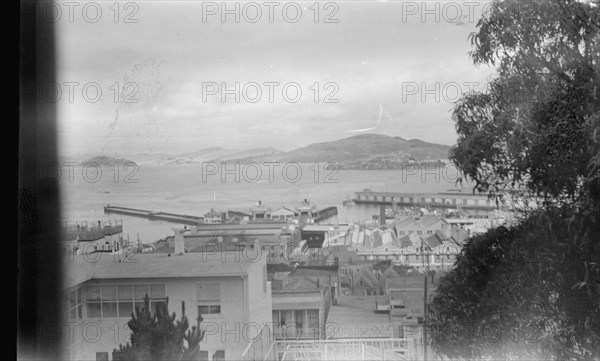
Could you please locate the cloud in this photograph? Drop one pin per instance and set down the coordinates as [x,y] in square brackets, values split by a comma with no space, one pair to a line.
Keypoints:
[171,55]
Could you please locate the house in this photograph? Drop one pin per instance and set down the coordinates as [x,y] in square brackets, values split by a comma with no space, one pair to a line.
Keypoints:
[301,307]
[213,217]
[422,225]
[100,297]
[318,276]
[238,216]
[259,212]
[86,238]
[362,279]
[282,214]
[388,272]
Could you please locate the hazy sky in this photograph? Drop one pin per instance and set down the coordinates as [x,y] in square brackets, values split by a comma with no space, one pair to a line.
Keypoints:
[377,61]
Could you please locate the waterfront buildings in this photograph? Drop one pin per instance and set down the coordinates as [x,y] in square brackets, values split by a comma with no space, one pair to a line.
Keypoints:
[89,237]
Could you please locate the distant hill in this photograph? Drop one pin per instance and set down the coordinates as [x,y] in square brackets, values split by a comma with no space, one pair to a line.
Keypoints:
[364,151]
[360,150]
[106,161]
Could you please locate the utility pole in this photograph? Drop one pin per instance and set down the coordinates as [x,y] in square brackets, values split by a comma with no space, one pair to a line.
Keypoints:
[426,268]
[425,322]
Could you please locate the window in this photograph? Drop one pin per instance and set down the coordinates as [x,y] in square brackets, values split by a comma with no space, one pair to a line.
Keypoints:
[101,356]
[121,301]
[429,232]
[109,301]
[75,304]
[313,319]
[401,233]
[203,355]
[209,299]
[417,257]
[437,258]
[219,355]
[299,318]
[286,317]
[406,258]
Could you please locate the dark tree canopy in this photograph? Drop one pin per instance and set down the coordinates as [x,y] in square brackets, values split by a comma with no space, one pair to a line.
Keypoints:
[533,289]
[159,337]
[518,293]
[534,129]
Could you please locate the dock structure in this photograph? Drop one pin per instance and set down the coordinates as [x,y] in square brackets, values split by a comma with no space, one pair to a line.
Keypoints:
[467,201]
[161,216]
[325,213]
[264,223]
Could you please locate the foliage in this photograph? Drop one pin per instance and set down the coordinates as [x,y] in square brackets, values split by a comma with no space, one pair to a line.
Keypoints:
[517,293]
[531,289]
[159,336]
[535,128]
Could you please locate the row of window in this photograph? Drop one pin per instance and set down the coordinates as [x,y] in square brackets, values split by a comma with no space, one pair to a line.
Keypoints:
[121,301]
[452,201]
[298,318]
[406,257]
[401,233]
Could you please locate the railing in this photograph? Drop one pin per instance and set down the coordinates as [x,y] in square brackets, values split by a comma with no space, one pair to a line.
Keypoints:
[262,347]
[360,331]
[349,349]
[295,332]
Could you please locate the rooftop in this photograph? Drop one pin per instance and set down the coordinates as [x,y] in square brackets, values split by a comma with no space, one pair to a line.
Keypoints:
[356,310]
[107,266]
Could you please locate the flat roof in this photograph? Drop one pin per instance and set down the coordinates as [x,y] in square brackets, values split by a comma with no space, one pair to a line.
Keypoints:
[356,310]
[107,266]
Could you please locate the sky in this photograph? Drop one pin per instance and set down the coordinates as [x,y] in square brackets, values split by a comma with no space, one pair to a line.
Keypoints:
[159,76]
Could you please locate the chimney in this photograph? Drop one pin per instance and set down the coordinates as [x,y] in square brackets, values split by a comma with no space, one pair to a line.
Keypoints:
[179,244]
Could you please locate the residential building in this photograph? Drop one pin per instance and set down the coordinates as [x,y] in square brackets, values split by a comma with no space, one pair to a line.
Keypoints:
[214,217]
[421,225]
[227,290]
[90,237]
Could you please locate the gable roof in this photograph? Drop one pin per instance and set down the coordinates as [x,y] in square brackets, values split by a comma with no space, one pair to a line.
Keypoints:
[430,219]
[410,240]
[283,210]
[405,222]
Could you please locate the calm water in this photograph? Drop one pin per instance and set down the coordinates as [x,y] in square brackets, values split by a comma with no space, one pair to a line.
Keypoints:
[182,189]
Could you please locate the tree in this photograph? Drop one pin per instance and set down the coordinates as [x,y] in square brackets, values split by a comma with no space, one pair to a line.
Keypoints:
[532,289]
[534,129]
[159,336]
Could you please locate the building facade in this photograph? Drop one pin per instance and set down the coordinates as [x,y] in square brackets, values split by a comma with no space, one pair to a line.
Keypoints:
[228,291]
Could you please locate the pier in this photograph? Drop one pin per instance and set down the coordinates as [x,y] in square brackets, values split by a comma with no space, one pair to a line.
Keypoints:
[160,216]
[266,223]
[325,213]
[466,201]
